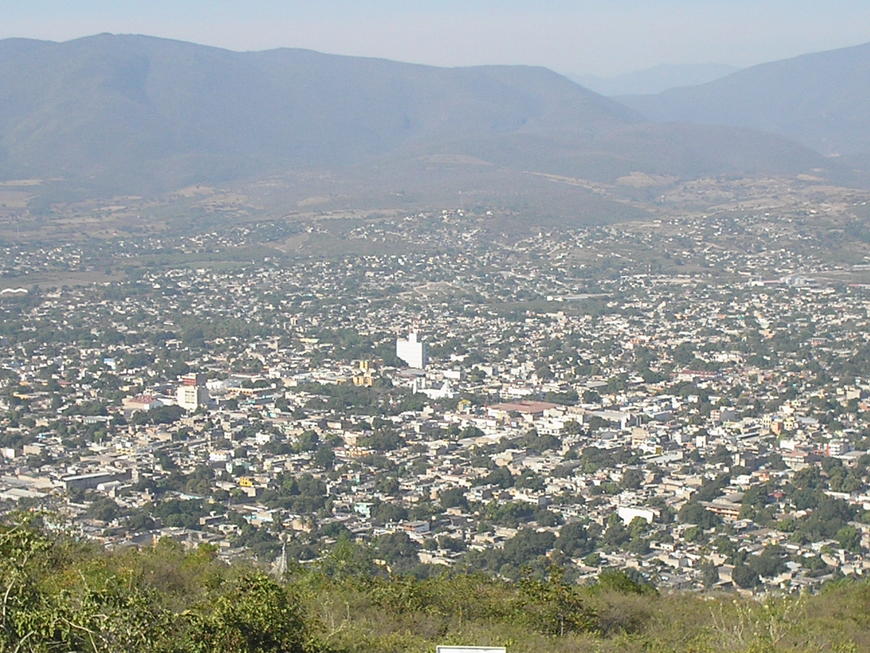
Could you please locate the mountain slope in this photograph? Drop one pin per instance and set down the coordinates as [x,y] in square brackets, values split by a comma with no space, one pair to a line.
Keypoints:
[656,79]
[140,113]
[821,100]
[96,103]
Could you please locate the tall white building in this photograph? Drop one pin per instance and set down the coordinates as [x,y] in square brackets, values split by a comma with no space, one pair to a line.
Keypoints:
[413,351]
[192,392]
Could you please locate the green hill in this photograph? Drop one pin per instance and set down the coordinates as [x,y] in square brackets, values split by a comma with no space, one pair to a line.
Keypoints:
[59,594]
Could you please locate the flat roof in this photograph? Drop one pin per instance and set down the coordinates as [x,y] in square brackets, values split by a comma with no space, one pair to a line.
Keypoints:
[524,406]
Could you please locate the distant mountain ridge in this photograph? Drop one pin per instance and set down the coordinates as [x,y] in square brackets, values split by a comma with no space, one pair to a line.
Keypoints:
[137,113]
[655,79]
[821,100]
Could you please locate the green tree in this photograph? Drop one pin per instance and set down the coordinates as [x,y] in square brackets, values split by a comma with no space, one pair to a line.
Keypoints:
[744,576]
[632,479]
[103,509]
[849,538]
[709,574]
[553,606]
[623,581]
[574,539]
[255,615]
[453,498]
[324,457]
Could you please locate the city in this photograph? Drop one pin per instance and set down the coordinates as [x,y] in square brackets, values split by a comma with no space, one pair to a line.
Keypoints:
[652,396]
[435,327]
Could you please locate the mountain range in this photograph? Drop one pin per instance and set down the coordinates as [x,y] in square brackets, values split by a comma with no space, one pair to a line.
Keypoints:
[124,113]
[654,79]
[821,100]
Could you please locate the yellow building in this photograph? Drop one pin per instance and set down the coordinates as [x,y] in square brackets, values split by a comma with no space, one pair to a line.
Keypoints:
[363,380]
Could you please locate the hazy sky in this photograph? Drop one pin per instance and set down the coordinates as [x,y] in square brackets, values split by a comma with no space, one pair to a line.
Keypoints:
[579,36]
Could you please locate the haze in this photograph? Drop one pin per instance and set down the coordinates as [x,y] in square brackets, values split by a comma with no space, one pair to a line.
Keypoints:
[579,37]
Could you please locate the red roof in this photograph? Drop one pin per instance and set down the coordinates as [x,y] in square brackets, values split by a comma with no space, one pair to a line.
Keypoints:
[142,399]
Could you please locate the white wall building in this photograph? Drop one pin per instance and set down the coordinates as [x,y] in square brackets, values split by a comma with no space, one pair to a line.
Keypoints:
[192,392]
[413,351]
[627,513]
[191,397]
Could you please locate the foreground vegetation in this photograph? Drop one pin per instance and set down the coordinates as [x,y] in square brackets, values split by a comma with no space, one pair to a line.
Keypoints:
[60,594]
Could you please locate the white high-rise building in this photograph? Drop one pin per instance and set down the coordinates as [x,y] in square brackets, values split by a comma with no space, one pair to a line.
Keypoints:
[192,392]
[413,351]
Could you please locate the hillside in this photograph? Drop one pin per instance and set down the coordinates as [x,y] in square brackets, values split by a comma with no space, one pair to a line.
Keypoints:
[109,104]
[109,114]
[821,100]
[62,595]
[655,79]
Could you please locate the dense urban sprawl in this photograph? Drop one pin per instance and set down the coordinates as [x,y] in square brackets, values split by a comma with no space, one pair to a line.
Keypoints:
[685,398]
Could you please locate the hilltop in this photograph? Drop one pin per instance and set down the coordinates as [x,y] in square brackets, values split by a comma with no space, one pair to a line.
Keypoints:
[62,595]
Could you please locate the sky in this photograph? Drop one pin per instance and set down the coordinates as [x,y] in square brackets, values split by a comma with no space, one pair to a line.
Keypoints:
[574,37]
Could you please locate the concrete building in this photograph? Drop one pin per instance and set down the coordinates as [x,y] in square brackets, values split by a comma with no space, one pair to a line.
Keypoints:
[628,513]
[192,392]
[413,351]
[90,481]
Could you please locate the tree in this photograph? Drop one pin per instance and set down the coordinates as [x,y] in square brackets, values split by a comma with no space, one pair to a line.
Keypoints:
[615,534]
[526,545]
[387,485]
[632,479]
[849,538]
[624,581]
[638,545]
[159,415]
[384,512]
[744,576]
[694,513]
[711,488]
[574,540]
[501,476]
[769,562]
[544,371]
[348,559]
[307,440]
[546,517]
[693,534]
[511,513]
[324,457]
[140,521]
[572,427]
[709,574]
[453,498]
[103,509]
[255,614]
[454,544]
[398,549]
[553,606]
[383,440]
[721,456]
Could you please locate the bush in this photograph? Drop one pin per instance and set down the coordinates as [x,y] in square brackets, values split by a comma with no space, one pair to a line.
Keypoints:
[254,614]
[63,595]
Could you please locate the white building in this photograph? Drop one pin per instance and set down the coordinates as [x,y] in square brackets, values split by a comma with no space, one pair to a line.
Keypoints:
[628,513]
[191,397]
[413,351]
[433,391]
[192,392]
